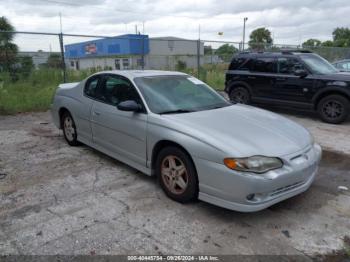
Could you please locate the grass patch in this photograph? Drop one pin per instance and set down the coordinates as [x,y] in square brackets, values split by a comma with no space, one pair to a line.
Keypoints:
[35,92]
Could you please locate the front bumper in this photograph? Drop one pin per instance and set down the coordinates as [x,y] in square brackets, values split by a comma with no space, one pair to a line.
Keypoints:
[248,192]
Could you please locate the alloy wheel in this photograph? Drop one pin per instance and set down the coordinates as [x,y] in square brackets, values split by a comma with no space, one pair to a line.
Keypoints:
[333,109]
[240,95]
[174,174]
[69,129]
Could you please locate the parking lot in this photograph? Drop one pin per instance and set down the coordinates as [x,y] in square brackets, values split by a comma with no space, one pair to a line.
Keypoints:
[56,199]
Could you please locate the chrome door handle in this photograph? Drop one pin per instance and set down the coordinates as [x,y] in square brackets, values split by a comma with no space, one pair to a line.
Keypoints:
[251,77]
[281,79]
[96,113]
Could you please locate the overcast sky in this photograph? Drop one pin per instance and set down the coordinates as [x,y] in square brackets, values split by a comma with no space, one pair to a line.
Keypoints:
[291,22]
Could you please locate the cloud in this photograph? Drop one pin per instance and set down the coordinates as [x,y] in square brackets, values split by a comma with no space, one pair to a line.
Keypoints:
[291,22]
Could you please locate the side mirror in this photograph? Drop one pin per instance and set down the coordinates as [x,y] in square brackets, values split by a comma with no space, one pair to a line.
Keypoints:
[129,105]
[301,73]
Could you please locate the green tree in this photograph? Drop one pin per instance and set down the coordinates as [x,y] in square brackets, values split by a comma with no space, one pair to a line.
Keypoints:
[260,38]
[341,37]
[54,61]
[26,65]
[208,50]
[8,50]
[312,43]
[226,51]
[327,43]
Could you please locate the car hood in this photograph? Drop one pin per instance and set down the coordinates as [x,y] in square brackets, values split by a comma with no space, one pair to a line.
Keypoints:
[242,131]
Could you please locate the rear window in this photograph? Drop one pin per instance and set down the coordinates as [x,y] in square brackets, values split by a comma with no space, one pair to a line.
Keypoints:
[265,65]
[241,63]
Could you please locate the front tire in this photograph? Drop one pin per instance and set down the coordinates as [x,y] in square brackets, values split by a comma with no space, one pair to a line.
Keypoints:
[333,109]
[69,129]
[177,175]
[240,95]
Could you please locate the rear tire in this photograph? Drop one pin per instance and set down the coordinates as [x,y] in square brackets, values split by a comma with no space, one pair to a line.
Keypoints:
[177,175]
[240,95]
[69,129]
[333,109]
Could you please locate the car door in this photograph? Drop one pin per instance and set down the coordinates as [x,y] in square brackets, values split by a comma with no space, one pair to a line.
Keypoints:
[89,93]
[120,132]
[290,87]
[262,77]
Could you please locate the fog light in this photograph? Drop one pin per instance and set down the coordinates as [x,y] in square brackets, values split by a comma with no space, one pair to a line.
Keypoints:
[250,197]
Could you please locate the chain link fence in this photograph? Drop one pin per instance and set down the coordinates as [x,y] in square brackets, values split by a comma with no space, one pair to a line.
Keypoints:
[33,64]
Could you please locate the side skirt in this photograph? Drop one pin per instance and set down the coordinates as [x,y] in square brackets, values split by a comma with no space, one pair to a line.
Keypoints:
[118,157]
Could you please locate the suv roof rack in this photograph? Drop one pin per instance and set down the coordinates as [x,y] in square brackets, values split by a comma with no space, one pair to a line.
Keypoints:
[282,51]
[291,51]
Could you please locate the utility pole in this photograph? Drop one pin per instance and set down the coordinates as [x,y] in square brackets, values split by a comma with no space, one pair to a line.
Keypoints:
[199,51]
[244,21]
[60,38]
[60,22]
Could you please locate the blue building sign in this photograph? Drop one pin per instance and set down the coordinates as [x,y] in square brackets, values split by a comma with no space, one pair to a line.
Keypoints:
[130,44]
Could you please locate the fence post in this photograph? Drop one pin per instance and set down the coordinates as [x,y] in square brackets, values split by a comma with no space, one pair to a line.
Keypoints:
[198,57]
[143,53]
[60,36]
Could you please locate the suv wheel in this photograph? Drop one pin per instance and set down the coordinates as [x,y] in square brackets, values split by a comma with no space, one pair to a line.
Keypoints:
[333,109]
[177,175]
[240,95]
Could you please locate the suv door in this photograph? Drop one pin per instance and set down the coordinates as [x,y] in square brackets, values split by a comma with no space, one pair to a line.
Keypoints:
[262,77]
[290,87]
[121,133]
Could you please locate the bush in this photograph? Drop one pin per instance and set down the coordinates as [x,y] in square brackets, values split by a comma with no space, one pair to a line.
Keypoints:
[181,65]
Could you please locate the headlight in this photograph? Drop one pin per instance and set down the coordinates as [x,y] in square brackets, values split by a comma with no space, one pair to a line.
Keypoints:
[255,164]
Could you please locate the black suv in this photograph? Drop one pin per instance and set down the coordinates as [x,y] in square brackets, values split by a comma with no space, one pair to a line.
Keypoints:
[299,79]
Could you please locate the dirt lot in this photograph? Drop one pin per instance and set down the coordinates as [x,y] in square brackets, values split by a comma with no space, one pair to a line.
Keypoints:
[57,199]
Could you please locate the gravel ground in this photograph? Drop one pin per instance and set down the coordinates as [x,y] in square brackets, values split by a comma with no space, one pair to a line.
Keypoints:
[56,199]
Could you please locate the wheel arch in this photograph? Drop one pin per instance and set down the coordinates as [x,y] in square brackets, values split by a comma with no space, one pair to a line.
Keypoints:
[329,91]
[167,143]
[235,84]
[61,111]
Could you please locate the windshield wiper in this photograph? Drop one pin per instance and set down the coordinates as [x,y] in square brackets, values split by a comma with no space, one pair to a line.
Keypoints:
[177,111]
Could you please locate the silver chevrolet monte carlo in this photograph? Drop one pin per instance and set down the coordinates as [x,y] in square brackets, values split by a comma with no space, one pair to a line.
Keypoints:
[198,144]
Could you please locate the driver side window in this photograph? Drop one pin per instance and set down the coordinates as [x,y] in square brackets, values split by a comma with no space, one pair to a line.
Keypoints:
[288,65]
[117,89]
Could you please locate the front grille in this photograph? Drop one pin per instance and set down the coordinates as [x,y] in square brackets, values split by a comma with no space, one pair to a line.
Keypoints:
[286,188]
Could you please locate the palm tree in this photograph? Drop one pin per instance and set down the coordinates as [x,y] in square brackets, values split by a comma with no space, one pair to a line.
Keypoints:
[260,38]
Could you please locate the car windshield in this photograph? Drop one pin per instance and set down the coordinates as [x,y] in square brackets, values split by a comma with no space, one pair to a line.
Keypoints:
[178,94]
[318,65]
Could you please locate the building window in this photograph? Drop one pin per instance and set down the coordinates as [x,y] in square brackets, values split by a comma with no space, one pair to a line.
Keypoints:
[171,44]
[72,63]
[140,62]
[126,63]
[117,64]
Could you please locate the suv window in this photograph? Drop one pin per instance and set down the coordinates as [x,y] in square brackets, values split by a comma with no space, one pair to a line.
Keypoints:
[288,65]
[116,89]
[241,63]
[91,86]
[236,62]
[265,65]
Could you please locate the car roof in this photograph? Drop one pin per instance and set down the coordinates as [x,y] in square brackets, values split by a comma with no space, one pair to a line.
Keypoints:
[141,73]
